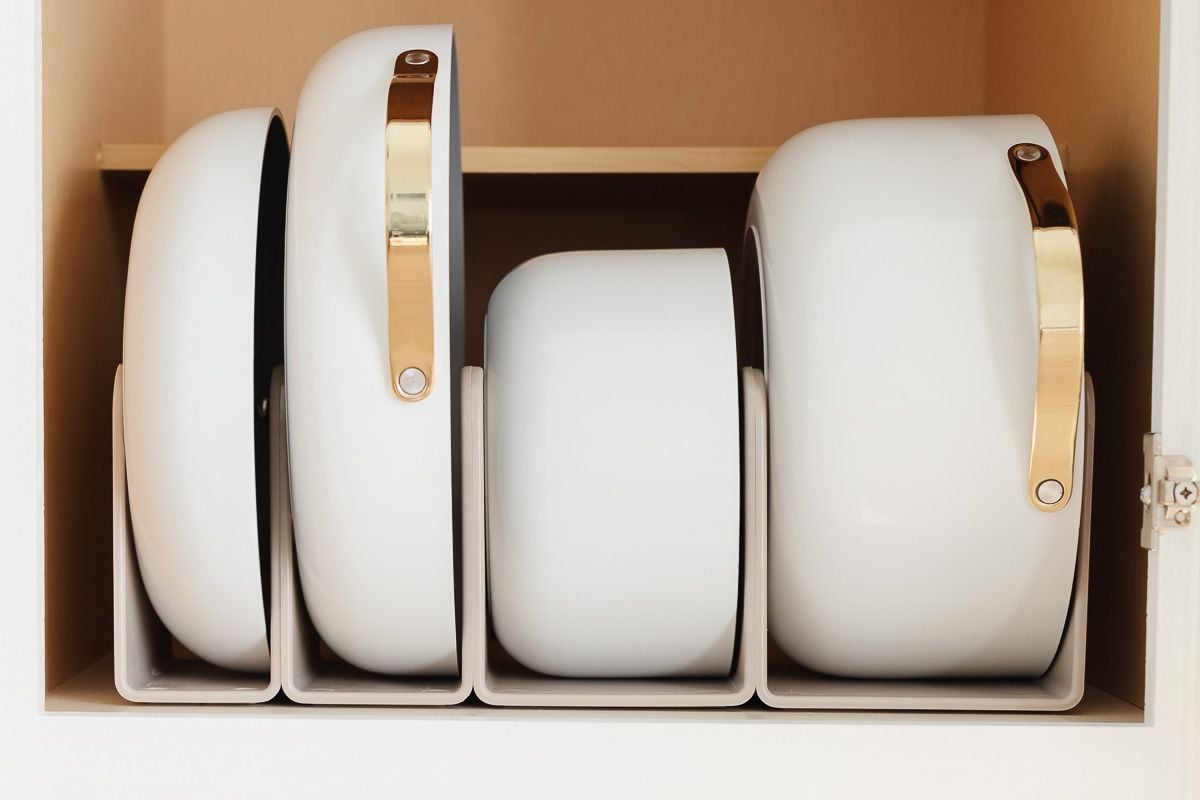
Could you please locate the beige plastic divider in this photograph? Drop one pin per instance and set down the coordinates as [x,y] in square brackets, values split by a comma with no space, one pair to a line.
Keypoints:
[784,684]
[148,667]
[312,674]
[500,681]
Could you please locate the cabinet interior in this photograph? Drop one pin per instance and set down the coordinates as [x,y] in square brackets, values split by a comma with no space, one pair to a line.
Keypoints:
[582,74]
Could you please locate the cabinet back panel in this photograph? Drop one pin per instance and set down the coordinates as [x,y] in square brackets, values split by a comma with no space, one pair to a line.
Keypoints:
[512,218]
[619,72]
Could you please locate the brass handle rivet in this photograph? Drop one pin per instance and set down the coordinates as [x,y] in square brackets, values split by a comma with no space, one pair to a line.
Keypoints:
[1030,153]
[1050,492]
[411,381]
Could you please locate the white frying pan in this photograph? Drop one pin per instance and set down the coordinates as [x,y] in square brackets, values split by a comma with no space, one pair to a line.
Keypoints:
[374,348]
[924,362]
[203,329]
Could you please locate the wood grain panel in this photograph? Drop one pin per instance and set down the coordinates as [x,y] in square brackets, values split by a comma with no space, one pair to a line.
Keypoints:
[621,72]
[102,80]
[1090,69]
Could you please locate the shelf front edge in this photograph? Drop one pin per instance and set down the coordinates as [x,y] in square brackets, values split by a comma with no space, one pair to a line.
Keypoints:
[530,160]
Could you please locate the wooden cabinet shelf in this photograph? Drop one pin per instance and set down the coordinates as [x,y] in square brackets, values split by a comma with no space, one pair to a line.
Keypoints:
[531,160]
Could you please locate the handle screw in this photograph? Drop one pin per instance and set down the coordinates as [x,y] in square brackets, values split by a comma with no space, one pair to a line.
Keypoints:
[416,59]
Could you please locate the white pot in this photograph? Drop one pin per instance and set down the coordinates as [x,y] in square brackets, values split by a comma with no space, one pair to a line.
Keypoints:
[192,379]
[374,476]
[901,316]
[613,464]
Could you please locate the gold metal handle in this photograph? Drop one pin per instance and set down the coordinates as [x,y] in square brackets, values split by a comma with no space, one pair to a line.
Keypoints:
[409,266]
[1059,268]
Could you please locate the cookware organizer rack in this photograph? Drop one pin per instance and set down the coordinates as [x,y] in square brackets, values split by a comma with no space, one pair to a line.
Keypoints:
[150,669]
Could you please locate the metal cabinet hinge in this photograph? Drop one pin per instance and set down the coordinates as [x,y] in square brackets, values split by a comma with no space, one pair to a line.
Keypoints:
[1169,491]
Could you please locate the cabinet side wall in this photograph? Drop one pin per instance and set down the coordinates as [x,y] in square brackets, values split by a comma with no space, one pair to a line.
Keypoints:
[102,81]
[1090,69]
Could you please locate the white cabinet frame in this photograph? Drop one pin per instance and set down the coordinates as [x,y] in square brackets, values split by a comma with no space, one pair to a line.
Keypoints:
[340,753]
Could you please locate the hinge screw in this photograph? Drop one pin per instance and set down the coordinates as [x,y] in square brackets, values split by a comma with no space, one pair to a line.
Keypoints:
[1185,492]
